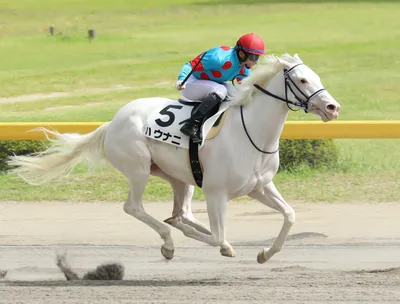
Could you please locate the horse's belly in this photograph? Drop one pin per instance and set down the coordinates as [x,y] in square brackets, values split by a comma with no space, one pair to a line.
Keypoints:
[172,160]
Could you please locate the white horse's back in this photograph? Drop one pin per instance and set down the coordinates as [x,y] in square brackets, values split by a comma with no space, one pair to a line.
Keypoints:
[139,108]
[127,128]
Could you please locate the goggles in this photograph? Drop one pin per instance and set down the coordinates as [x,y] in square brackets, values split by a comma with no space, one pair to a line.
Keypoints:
[253,57]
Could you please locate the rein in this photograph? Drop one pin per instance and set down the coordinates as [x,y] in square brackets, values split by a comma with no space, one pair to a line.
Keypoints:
[301,103]
[248,135]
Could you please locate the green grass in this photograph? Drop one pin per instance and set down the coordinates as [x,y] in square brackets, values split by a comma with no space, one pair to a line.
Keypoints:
[352,45]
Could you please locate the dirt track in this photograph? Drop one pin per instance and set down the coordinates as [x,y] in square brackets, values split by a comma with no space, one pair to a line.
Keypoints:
[337,253]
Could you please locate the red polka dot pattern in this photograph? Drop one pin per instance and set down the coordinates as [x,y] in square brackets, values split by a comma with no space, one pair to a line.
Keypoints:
[227,65]
[242,71]
[225,48]
[200,66]
[204,76]
[216,74]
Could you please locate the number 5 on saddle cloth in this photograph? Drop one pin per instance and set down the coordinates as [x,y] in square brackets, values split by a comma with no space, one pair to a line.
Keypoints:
[165,122]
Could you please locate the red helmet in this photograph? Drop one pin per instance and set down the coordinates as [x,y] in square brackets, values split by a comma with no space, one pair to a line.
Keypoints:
[251,44]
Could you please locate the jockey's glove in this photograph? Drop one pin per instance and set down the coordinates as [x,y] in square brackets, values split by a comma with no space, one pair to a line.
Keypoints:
[179,85]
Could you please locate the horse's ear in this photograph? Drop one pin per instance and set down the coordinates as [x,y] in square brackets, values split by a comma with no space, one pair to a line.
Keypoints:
[283,62]
[296,56]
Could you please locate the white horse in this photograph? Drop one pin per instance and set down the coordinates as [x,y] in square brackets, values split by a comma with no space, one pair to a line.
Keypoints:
[241,160]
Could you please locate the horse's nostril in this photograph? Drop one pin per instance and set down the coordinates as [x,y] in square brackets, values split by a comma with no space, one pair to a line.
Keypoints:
[331,107]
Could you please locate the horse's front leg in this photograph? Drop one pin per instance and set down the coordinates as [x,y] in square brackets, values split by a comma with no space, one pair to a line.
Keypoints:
[271,197]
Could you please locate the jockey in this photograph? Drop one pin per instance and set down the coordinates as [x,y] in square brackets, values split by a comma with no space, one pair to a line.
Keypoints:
[210,70]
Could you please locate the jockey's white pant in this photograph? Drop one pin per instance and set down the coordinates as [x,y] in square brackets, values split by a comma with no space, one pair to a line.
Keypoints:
[197,89]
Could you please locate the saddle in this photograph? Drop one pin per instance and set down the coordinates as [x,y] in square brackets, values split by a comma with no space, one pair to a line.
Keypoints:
[195,164]
[165,122]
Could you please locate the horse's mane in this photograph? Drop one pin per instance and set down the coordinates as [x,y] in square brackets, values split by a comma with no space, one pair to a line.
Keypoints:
[265,71]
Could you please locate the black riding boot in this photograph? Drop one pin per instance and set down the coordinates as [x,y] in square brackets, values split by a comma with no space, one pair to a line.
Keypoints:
[191,127]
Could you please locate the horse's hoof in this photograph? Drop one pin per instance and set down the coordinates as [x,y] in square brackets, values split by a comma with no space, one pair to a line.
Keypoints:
[228,252]
[167,253]
[261,258]
[171,221]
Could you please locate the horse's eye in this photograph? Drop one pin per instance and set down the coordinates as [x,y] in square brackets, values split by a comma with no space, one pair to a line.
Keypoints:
[303,81]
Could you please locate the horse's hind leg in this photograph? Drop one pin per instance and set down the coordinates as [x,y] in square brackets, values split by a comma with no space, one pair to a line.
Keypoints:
[134,207]
[183,194]
[126,149]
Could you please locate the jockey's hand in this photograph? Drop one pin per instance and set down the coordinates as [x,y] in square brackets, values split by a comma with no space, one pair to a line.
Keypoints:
[179,86]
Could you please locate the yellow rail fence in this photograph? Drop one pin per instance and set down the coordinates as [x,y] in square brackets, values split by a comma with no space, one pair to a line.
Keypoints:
[292,129]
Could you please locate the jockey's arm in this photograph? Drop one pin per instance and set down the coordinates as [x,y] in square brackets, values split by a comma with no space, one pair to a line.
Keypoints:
[210,61]
[186,69]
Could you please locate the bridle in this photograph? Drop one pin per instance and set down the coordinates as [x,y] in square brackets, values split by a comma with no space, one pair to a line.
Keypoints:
[301,102]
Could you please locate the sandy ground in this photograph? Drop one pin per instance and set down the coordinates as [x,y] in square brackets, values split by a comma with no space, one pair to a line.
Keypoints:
[336,253]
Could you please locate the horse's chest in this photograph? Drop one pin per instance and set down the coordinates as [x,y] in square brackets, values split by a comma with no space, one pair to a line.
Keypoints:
[255,178]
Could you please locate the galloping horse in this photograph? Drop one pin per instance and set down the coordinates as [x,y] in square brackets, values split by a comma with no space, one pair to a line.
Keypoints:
[241,160]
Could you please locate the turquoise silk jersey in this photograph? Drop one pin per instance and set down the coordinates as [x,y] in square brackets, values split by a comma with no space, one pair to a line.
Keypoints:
[219,64]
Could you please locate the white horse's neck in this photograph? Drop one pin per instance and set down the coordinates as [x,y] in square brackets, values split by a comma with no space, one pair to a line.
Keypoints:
[265,116]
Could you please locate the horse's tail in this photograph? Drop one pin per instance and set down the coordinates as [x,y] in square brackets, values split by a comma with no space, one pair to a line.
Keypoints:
[67,151]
